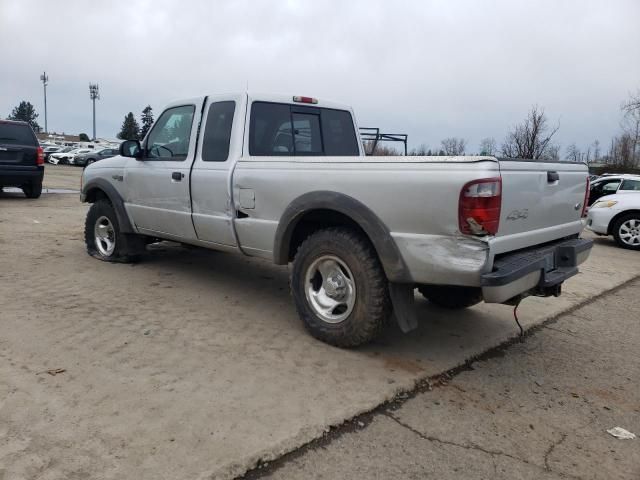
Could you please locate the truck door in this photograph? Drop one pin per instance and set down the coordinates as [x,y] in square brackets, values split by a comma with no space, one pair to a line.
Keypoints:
[220,145]
[158,199]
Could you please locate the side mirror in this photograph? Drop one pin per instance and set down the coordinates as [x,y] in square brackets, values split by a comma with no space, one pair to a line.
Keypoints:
[131,148]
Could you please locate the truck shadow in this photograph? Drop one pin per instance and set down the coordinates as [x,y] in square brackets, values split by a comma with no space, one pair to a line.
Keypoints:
[442,334]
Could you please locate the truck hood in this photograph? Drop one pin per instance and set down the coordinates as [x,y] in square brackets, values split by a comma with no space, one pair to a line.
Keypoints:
[113,162]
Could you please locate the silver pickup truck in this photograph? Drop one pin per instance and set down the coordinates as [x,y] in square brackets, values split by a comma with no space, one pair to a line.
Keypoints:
[287,179]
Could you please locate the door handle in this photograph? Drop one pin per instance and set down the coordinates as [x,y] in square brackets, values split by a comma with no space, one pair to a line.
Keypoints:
[177,176]
[553,177]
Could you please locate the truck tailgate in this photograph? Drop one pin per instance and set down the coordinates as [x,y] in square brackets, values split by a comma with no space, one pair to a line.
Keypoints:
[541,202]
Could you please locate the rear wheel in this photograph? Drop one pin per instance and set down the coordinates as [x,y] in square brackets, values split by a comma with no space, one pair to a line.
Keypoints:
[339,287]
[103,237]
[452,297]
[626,231]
[33,190]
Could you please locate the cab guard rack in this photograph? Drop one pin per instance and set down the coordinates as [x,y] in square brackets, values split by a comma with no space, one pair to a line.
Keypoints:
[373,136]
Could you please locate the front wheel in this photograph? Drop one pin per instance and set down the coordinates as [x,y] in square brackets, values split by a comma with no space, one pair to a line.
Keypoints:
[339,287]
[103,237]
[626,231]
[451,297]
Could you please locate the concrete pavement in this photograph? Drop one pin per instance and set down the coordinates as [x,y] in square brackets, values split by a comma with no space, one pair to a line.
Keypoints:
[537,410]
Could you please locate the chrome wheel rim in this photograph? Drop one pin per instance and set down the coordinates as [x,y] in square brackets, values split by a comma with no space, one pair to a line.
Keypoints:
[330,289]
[105,236]
[630,232]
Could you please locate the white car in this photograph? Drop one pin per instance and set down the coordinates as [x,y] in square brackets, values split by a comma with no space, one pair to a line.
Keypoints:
[617,215]
[66,158]
[609,184]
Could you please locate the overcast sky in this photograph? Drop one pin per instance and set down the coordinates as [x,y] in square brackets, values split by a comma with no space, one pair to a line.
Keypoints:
[431,69]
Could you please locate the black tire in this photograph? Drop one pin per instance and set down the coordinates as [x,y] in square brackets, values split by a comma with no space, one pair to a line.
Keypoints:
[128,247]
[451,297]
[89,162]
[32,190]
[618,225]
[372,306]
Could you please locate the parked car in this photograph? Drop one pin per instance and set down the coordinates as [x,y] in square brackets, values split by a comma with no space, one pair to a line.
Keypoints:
[617,215]
[21,158]
[51,149]
[83,159]
[287,179]
[66,158]
[610,184]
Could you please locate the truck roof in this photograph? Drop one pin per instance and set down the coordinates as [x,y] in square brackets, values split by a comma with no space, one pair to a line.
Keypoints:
[269,97]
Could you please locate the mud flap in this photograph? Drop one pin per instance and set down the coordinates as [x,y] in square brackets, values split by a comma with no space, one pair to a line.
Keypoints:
[402,298]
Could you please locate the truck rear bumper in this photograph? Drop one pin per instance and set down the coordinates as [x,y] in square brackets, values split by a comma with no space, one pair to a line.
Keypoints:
[537,271]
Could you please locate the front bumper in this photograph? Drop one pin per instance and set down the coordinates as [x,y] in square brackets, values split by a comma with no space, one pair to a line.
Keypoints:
[537,271]
[599,218]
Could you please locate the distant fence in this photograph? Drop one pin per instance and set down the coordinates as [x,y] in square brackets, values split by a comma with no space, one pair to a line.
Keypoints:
[600,169]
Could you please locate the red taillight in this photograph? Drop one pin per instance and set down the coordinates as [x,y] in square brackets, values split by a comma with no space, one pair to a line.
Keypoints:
[40,159]
[586,198]
[479,207]
[305,100]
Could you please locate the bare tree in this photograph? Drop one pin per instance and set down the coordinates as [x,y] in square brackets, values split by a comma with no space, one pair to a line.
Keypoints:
[421,151]
[380,150]
[488,146]
[573,153]
[631,125]
[633,103]
[530,139]
[553,152]
[454,146]
[596,150]
[621,152]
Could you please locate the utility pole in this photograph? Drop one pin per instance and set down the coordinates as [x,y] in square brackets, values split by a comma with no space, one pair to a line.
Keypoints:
[94,94]
[44,79]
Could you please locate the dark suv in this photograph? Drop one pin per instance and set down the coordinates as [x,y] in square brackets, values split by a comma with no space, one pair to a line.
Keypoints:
[21,158]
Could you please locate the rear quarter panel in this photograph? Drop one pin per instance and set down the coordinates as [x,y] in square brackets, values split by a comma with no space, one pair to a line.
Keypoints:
[416,200]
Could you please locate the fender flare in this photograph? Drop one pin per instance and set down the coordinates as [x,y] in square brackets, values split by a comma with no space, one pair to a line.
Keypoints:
[114,197]
[388,252]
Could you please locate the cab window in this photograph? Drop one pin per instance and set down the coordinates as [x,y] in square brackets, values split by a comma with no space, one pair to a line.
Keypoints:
[169,138]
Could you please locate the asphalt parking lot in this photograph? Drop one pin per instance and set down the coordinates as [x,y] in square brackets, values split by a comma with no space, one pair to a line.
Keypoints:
[193,364]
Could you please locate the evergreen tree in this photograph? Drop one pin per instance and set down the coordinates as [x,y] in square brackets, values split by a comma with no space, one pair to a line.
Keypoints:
[146,120]
[130,129]
[84,137]
[25,113]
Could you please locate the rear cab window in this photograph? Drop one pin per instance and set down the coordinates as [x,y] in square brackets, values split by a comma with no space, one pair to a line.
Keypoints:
[16,134]
[278,129]
[217,132]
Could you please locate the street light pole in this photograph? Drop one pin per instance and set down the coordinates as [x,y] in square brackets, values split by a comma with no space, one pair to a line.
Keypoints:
[44,79]
[94,94]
